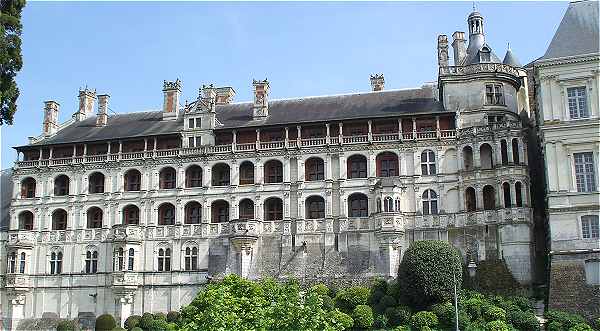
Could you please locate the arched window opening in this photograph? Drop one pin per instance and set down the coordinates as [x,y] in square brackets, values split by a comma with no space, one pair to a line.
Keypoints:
[315,207]
[132,180]
[193,176]
[131,259]
[28,188]
[246,173]
[378,202]
[274,172]
[387,164]
[96,183]
[26,220]
[504,152]
[220,211]
[22,262]
[220,175]
[246,209]
[168,178]
[273,209]
[12,262]
[357,166]
[59,219]
[191,258]
[61,185]
[164,259]
[430,202]
[314,169]
[119,264]
[515,150]
[428,162]
[56,263]
[519,194]
[489,197]
[470,199]
[193,213]
[94,218]
[486,156]
[468,158]
[91,262]
[397,205]
[506,192]
[358,205]
[166,214]
[388,204]
[131,215]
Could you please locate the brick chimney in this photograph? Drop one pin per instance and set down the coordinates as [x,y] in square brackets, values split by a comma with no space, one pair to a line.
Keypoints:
[224,95]
[102,117]
[261,98]
[377,82]
[208,97]
[172,91]
[86,104]
[50,124]
[442,50]
[460,49]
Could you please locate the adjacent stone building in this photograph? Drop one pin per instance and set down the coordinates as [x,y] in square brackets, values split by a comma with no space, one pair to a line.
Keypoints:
[567,81]
[132,213]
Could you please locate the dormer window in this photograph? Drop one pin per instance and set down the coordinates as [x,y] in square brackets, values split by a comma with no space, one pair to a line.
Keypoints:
[494,94]
[484,54]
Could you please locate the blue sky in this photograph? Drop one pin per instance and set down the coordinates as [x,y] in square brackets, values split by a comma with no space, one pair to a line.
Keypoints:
[127,49]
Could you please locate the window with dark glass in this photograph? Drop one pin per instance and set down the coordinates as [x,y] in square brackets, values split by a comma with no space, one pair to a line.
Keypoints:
[489,197]
[519,194]
[96,183]
[494,94]
[12,262]
[515,151]
[315,207]
[166,214]
[387,163]
[430,202]
[220,175]
[94,218]
[191,258]
[220,211]
[168,178]
[246,209]
[193,213]
[56,263]
[164,259]
[273,209]
[26,220]
[130,259]
[506,193]
[28,188]
[22,263]
[315,169]
[358,205]
[577,100]
[193,176]
[273,172]
[585,172]
[61,185]
[91,262]
[357,166]
[504,152]
[133,180]
[470,199]
[246,173]
[59,220]
[119,259]
[131,215]
[428,163]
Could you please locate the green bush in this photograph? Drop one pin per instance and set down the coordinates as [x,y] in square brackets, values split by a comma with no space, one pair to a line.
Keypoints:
[351,297]
[380,321]
[523,303]
[173,316]
[118,328]
[67,325]
[521,320]
[132,321]
[493,276]
[362,316]
[446,318]
[555,326]
[146,321]
[497,326]
[581,327]
[567,320]
[328,303]
[376,296]
[387,301]
[159,325]
[136,329]
[341,320]
[473,307]
[402,328]
[426,273]
[393,289]
[493,313]
[160,316]
[397,316]
[105,322]
[320,289]
[423,319]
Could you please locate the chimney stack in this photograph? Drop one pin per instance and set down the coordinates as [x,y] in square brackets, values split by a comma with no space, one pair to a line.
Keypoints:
[261,98]
[102,117]
[50,124]
[224,95]
[208,98]
[86,104]
[377,82]
[171,91]
[442,50]
[460,49]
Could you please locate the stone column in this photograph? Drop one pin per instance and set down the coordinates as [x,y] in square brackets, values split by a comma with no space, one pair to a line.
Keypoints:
[372,165]
[259,172]
[343,166]
[328,167]
[509,150]
[234,173]
[16,308]
[286,169]
[124,303]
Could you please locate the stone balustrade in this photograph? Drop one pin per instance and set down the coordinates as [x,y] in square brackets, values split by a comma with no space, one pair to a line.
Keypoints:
[126,279]
[18,281]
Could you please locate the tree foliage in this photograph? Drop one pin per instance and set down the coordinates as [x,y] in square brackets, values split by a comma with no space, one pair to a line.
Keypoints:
[238,304]
[11,60]
[426,273]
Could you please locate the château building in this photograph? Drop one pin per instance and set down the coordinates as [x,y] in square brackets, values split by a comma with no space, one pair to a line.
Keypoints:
[134,212]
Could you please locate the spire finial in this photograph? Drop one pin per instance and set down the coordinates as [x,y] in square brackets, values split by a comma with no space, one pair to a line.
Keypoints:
[474,8]
[508,46]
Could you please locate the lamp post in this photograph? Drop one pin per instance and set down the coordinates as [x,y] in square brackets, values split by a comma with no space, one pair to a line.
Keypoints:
[472,270]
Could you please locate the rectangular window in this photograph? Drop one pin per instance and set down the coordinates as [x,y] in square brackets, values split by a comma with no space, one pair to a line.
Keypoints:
[590,227]
[494,94]
[577,102]
[191,141]
[585,175]
[198,141]
[191,123]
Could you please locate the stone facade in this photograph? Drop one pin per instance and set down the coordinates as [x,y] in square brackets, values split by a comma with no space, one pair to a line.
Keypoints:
[129,225]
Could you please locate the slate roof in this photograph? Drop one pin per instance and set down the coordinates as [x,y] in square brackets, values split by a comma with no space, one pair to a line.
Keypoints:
[6,187]
[577,33]
[511,59]
[380,104]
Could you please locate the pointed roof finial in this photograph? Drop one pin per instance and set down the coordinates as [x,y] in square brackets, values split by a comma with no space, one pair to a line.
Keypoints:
[474,7]
[508,47]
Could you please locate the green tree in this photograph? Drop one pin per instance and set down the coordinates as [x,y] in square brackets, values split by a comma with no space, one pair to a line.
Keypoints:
[11,60]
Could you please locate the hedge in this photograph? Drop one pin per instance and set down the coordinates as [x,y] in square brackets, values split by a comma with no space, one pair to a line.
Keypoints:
[105,322]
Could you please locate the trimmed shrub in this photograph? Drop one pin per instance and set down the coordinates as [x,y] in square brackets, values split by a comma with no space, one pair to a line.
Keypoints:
[136,329]
[362,316]
[341,320]
[67,325]
[160,316]
[522,302]
[555,326]
[105,322]
[445,315]
[581,327]
[397,316]
[493,313]
[387,301]
[146,321]
[423,319]
[351,297]
[118,328]
[426,273]
[497,326]
[328,303]
[567,320]
[380,321]
[132,321]
[159,325]
[473,307]
[393,289]
[376,296]
[320,289]
[402,328]
[523,320]
[173,316]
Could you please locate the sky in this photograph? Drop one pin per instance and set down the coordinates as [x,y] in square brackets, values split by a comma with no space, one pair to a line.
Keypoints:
[127,49]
